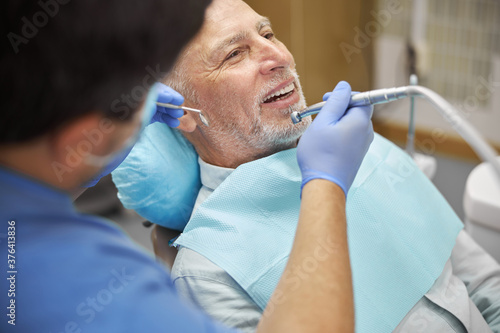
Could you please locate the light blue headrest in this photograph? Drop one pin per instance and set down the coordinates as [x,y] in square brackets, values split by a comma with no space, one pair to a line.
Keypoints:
[160,178]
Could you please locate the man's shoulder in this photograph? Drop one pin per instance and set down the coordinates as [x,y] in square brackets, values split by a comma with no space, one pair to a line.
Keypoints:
[191,264]
[212,289]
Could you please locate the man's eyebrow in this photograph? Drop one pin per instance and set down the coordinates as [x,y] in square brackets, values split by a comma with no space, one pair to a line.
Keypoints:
[264,22]
[230,41]
[234,39]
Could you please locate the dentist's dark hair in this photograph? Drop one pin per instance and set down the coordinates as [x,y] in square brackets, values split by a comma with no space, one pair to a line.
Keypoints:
[62,59]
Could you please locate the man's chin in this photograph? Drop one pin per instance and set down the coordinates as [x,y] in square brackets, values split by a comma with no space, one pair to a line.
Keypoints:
[284,136]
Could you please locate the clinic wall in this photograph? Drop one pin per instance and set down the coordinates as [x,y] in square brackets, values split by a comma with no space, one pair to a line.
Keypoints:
[315,32]
[392,119]
[456,52]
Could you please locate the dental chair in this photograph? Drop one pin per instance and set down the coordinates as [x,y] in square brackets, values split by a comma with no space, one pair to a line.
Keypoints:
[482,207]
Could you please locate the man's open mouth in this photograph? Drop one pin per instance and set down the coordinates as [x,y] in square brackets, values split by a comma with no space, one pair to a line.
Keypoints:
[281,94]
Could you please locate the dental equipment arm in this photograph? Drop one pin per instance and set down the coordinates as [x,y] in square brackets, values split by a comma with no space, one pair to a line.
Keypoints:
[410,139]
[379,96]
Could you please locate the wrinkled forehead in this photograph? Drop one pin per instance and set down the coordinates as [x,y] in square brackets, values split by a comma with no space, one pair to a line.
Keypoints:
[225,19]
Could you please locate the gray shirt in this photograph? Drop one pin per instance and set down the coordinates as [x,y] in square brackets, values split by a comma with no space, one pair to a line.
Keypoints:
[465,297]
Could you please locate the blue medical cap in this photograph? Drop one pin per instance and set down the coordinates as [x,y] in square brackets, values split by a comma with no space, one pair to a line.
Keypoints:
[160,178]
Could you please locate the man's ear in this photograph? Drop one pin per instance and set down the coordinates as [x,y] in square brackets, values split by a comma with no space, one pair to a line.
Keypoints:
[187,122]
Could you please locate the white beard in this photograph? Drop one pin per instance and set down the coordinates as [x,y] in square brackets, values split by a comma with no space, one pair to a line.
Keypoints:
[263,136]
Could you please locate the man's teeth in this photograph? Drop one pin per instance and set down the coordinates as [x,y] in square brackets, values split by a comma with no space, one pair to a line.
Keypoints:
[283,91]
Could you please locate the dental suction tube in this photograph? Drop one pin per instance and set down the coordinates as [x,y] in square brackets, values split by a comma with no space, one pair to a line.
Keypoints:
[449,113]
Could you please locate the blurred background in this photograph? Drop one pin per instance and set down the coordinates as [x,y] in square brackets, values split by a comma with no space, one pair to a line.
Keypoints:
[452,45]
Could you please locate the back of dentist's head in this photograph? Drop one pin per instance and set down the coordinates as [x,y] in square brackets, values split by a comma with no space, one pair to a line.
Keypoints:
[63,59]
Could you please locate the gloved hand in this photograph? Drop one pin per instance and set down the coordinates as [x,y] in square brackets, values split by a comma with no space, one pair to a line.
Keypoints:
[162,114]
[336,142]
[167,115]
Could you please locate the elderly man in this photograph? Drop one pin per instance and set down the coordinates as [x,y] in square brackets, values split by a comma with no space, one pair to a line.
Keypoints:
[245,83]
[244,80]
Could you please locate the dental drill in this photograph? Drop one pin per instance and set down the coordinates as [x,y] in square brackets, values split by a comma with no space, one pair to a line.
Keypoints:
[449,113]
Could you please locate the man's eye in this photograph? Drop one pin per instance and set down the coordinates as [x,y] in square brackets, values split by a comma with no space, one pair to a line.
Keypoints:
[233,54]
[269,35]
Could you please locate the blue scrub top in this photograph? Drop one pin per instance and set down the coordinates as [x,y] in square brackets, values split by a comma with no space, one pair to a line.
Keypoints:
[72,272]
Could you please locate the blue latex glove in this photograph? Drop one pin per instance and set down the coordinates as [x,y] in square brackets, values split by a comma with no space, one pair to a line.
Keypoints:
[167,115]
[335,144]
[162,114]
[328,94]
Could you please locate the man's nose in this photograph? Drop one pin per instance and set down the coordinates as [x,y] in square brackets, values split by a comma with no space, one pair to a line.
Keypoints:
[274,57]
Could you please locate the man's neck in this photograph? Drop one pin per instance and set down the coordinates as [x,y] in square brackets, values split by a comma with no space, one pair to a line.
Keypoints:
[236,156]
[211,175]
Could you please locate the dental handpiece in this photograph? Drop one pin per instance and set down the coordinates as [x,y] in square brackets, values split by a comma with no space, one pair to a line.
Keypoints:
[482,148]
[372,97]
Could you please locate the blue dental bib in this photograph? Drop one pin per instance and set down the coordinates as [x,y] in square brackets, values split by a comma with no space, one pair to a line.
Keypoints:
[401,231]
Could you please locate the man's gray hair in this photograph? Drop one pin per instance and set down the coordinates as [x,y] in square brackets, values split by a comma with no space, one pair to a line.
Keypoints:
[179,80]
